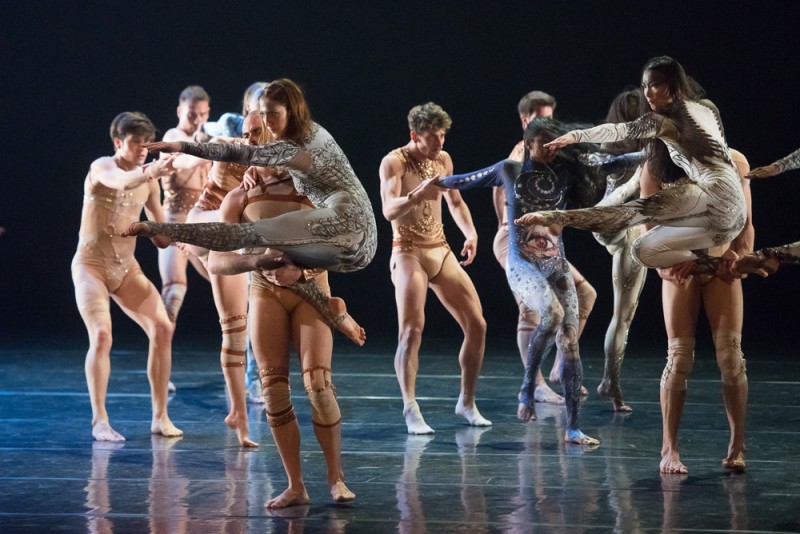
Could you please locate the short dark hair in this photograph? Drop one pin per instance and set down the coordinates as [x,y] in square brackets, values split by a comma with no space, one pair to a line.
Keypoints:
[428,116]
[132,123]
[193,93]
[535,100]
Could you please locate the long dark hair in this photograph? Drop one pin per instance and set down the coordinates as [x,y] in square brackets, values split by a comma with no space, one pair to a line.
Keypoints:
[694,141]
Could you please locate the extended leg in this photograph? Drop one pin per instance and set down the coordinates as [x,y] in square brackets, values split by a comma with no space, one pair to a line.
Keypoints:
[680,360]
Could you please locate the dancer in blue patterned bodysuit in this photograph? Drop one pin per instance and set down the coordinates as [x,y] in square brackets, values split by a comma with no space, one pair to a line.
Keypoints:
[537,268]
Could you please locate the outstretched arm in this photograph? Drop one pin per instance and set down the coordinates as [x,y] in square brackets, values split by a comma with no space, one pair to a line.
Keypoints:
[648,126]
[106,171]
[788,163]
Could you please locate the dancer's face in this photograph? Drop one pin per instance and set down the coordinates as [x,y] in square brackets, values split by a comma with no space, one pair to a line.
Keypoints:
[130,150]
[277,118]
[541,111]
[656,90]
[254,129]
[429,142]
[191,114]
[538,151]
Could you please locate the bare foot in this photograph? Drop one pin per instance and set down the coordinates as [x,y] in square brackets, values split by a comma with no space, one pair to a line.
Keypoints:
[102,431]
[345,323]
[290,497]
[544,394]
[165,427]
[341,493]
[526,411]
[671,464]
[615,394]
[240,426]
[555,376]
[414,420]
[471,413]
[579,438]
[734,461]
[143,229]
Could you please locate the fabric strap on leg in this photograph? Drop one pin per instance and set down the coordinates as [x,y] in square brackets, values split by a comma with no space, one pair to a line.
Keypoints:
[172,296]
[322,395]
[730,359]
[234,341]
[277,396]
[680,360]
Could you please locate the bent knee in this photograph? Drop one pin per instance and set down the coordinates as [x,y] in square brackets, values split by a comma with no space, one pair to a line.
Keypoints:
[680,360]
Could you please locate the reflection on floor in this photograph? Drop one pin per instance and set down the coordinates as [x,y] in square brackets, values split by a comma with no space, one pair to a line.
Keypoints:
[512,477]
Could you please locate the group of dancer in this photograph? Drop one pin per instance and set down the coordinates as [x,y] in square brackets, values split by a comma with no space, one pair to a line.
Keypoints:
[281,202]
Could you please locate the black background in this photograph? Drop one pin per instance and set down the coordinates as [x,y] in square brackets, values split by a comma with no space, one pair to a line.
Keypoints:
[69,67]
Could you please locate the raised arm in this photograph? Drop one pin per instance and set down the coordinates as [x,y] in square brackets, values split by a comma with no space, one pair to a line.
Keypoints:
[487,177]
[106,172]
[788,163]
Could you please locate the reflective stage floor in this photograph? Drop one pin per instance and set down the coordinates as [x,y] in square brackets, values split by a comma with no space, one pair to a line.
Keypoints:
[512,477]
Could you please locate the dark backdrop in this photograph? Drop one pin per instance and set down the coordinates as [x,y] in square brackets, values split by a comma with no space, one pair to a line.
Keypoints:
[69,67]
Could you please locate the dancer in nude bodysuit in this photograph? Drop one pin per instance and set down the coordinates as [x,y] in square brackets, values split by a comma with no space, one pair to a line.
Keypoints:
[116,190]
[421,258]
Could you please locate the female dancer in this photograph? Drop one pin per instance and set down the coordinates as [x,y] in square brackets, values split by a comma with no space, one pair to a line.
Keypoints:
[627,276]
[537,269]
[340,235]
[281,319]
[707,212]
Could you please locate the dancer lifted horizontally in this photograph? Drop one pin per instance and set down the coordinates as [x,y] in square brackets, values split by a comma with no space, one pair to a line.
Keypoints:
[339,235]
[708,211]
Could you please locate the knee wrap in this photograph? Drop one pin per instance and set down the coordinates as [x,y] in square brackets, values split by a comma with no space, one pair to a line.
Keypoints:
[322,394]
[528,319]
[730,359]
[234,341]
[172,297]
[680,359]
[586,298]
[277,396]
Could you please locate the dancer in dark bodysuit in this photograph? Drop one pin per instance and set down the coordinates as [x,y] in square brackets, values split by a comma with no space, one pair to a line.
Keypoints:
[537,269]
[339,235]
[707,212]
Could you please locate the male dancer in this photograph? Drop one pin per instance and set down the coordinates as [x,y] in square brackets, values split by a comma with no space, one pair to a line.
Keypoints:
[182,189]
[421,258]
[115,191]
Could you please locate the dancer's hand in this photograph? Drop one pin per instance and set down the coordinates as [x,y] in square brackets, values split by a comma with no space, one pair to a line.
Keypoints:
[763,172]
[251,179]
[159,168]
[560,142]
[427,190]
[285,276]
[163,146]
[725,269]
[677,274]
[469,251]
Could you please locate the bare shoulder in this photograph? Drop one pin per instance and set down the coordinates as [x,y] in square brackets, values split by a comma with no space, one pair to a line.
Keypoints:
[102,164]
[737,157]
[174,134]
[448,161]
[391,165]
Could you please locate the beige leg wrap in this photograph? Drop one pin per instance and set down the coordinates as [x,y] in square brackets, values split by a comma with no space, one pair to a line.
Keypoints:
[730,359]
[322,394]
[680,360]
[172,297]
[587,295]
[234,341]
[277,396]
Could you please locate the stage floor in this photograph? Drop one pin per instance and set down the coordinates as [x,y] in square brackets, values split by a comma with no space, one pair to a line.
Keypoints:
[511,477]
